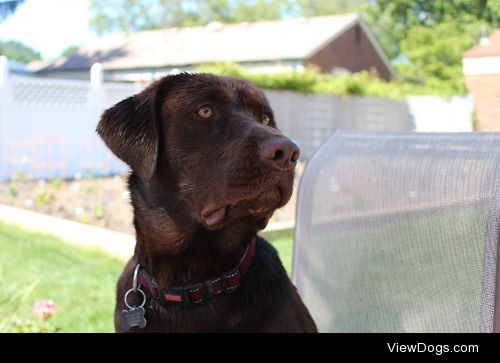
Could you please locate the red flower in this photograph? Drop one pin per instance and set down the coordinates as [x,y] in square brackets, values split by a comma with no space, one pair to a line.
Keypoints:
[44,309]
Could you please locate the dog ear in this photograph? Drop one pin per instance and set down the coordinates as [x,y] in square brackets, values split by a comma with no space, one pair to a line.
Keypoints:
[131,132]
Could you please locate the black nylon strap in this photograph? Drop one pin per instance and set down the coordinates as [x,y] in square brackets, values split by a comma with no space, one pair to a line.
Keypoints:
[194,294]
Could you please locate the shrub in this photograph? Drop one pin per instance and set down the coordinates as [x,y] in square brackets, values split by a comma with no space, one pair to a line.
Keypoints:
[12,191]
[57,182]
[98,211]
[45,197]
[312,81]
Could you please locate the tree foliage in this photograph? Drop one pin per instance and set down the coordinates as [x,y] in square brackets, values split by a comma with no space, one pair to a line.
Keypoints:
[136,15]
[434,54]
[18,52]
[427,38]
[132,15]
[69,50]
[394,19]
[324,7]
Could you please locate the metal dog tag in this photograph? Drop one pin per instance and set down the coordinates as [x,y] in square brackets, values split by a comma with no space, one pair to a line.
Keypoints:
[133,317]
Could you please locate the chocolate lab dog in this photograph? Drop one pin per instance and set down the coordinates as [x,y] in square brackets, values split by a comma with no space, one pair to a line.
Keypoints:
[209,167]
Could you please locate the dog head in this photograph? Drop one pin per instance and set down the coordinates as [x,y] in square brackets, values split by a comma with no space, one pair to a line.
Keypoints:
[205,148]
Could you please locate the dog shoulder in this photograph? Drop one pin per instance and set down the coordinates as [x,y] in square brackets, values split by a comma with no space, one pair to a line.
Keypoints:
[291,315]
[267,255]
[267,277]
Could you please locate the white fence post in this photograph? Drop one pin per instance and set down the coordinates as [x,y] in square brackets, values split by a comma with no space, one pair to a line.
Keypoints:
[96,97]
[96,76]
[5,99]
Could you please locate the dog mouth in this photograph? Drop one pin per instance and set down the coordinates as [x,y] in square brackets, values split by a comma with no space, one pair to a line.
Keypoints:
[256,206]
[212,217]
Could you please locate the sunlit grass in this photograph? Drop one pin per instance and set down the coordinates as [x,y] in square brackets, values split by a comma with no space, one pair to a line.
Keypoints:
[36,266]
[81,282]
[283,242]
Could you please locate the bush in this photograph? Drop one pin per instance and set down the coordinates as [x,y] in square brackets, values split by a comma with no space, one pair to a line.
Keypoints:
[297,81]
[312,81]
[45,197]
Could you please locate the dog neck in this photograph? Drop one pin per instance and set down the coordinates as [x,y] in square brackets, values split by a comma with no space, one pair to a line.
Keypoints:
[177,250]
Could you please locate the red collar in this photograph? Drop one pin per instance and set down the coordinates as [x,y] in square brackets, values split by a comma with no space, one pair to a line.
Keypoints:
[196,294]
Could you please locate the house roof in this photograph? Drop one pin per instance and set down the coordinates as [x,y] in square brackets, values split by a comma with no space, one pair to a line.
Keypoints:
[18,67]
[489,48]
[216,42]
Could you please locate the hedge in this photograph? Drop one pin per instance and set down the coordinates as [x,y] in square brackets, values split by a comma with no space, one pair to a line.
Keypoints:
[312,81]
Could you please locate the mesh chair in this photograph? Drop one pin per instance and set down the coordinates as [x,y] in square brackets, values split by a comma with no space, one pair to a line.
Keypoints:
[399,232]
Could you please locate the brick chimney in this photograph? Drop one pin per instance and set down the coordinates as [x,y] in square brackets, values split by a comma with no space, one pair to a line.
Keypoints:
[481,65]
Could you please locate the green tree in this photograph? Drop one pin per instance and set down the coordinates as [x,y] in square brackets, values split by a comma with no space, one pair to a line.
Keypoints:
[426,39]
[133,15]
[69,50]
[392,20]
[430,12]
[434,54]
[325,7]
[259,10]
[235,11]
[18,52]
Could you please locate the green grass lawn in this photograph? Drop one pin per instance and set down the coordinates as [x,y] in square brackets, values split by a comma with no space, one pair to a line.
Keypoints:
[81,282]
[283,242]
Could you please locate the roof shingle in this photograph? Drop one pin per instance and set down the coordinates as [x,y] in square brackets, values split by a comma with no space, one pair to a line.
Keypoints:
[490,50]
[244,42]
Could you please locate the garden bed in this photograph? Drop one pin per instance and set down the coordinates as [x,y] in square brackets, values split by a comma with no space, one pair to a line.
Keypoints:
[104,202]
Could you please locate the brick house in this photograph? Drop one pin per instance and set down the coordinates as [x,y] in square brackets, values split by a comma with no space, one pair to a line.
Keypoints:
[481,66]
[336,44]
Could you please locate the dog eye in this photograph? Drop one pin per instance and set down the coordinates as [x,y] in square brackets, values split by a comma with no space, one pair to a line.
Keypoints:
[266,120]
[205,111]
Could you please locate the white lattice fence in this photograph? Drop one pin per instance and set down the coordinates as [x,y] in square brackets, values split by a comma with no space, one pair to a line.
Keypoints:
[47,125]
[310,119]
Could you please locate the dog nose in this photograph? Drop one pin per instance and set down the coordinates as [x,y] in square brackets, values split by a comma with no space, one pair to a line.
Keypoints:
[280,152]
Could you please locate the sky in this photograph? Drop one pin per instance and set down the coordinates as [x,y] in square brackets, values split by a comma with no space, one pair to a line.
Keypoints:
[49,26]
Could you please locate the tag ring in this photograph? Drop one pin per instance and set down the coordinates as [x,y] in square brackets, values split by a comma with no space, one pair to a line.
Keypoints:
[138,306]
[134,280]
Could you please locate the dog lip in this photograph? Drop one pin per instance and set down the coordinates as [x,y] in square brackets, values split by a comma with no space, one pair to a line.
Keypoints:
[259,211]
[213,216]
